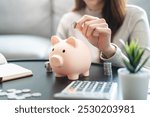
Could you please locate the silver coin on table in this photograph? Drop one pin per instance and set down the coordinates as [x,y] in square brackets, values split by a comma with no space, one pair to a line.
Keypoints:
[18,91]
[11,96]
[37,94]
[48,67]
[3,94]
[11,90]
[20,97]
[27,95]
[26,90]
[11,93]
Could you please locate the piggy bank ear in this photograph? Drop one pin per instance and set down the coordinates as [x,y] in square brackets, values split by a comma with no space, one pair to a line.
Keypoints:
[55,40]
[72,41]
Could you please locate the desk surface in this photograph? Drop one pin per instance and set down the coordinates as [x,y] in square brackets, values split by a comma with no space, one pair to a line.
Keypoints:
[47,83]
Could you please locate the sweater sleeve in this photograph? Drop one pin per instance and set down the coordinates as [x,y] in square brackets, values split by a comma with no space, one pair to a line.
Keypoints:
[141,32]
[138,27]
[116,59]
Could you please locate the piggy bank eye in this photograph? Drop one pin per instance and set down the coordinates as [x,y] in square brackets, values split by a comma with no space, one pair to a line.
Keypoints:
[63,51]
[53,49]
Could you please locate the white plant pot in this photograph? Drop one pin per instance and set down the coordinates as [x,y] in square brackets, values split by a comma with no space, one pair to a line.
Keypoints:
[133,86]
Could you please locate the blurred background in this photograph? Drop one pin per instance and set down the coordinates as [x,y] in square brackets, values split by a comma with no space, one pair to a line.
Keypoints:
[27,25]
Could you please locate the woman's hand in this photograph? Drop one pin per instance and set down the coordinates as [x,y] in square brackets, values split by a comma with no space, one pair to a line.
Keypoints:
[97,32]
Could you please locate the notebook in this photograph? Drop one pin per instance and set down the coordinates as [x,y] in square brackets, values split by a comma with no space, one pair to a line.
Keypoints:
[10,71]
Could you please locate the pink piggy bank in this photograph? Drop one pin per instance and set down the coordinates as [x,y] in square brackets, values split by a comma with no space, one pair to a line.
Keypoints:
[70,57]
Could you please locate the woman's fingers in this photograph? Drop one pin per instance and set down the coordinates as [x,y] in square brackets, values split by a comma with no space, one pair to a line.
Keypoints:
[96,31]
[83,20]
[86,18]
[92,29]
[87,25]
[100,30]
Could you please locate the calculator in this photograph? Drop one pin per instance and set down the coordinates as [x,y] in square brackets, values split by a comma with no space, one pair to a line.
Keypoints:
[88,90]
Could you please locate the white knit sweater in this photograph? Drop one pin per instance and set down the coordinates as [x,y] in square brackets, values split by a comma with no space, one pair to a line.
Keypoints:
[135,26]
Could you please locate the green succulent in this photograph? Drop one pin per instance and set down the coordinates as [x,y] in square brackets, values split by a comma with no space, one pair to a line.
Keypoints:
[134,54]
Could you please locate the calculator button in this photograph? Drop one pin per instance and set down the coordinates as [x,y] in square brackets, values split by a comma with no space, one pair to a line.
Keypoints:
[90,87]
[99,87]
[82,86]
[75,84]
[107,87]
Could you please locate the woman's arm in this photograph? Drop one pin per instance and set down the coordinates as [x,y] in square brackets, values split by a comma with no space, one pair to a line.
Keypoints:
[98,33]
[141,32]
[137,26]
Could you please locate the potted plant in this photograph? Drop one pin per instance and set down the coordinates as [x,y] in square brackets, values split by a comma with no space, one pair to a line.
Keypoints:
[134,78]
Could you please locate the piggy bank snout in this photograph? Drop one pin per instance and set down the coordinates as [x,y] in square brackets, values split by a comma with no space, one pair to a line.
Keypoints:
[56,61]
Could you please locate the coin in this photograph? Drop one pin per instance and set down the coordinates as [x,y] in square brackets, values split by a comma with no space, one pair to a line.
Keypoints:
[11,95]
[36,94]
[20,98]
[18,91]
[107,68]
[19,94]
[26,90]
[27,95]
[48,67]
[11,90]
[3,94]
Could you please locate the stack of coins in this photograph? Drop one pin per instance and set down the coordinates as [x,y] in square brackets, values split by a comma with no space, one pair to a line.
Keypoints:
[107,68]
[48,67]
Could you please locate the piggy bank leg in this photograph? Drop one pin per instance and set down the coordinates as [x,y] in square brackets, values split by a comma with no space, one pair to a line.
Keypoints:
[73,76]
[59,75]
[86,73]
